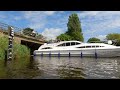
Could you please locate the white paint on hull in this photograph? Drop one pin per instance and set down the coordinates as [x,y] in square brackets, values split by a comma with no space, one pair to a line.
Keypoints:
[87,49]
[90,53]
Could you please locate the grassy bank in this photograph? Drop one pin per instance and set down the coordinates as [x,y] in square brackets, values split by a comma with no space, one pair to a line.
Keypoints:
[20,51]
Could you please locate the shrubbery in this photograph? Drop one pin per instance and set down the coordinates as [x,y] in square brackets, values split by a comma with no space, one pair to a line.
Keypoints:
[20,51]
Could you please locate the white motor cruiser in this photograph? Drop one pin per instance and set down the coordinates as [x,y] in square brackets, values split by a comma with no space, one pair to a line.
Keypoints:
[77,48]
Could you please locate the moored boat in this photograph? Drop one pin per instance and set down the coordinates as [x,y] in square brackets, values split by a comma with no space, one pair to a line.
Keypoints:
[77,48]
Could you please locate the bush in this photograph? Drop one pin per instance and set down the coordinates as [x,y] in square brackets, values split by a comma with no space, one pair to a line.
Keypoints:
[3,46]
[64,37]
[20,51]
[114,36]
[93,40]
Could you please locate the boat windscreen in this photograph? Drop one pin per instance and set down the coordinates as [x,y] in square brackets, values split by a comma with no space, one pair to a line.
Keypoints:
[47,48]
[77,43]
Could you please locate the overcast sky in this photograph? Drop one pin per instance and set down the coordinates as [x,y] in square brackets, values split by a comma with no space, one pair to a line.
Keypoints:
[52,23]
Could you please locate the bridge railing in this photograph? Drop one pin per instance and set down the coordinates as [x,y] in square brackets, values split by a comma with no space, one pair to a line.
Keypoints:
[4,28]
[17,31]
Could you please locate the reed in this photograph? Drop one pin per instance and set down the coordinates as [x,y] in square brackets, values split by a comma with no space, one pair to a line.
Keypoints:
[20,51]
[17,67]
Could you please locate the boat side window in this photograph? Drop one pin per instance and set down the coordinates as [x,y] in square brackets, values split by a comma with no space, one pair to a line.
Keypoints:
[76,43]
[85,47]
[67,44]
[72,43]
[93,46]
[97,46]
[101,46]
[47,48]
[88,46]
[81,47]
[63,44]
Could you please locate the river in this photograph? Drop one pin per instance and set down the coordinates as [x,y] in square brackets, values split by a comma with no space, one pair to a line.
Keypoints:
[61,68]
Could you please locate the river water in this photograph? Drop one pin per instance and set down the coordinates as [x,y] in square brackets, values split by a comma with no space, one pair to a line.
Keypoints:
[61,68]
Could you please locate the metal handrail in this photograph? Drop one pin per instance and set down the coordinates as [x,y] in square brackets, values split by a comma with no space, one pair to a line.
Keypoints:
[17,31]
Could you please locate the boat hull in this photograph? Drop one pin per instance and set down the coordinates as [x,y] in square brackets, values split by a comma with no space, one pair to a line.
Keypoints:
[81,53]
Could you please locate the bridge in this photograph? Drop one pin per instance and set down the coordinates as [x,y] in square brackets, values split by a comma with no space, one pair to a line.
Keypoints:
[29,41]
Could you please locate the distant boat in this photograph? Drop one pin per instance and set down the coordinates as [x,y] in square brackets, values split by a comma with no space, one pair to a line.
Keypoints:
[77,48]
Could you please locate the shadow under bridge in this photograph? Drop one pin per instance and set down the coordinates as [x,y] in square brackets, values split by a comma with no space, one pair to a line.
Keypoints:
[31,45]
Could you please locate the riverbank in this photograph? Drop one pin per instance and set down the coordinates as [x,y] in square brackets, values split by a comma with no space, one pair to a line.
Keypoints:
[20,51]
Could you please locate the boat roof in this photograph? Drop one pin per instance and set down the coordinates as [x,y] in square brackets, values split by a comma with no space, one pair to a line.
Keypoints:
[86,44]
[61,42]
[69,41]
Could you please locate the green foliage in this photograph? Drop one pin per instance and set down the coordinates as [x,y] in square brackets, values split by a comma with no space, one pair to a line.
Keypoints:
[114,36]
[19,50]
[3,46]
[73,24]
[74,30]
[93,39]
[77,36]
[118,42]
[28,31]
[64,37]
[40,36]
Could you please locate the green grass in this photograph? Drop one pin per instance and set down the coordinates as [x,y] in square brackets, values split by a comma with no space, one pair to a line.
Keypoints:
[21,59]
[20,51]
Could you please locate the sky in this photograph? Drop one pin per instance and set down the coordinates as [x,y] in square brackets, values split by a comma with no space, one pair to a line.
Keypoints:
[53,23]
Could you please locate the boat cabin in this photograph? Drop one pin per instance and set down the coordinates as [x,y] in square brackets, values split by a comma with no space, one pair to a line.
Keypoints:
[69,43]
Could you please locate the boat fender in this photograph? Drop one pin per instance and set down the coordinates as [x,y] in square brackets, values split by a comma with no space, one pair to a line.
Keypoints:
[95,55]
[69,54]
[59,54]
[81,54]
[49,54]
[41,54]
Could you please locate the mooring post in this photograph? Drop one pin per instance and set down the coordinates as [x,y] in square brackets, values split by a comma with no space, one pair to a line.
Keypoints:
[42,54]
[59,54]
[50,54]
[81,55]
[95,54]
[10,45]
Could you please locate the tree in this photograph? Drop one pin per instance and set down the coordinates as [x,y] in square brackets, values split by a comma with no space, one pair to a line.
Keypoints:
[63,37]
[28,31]
[77,36]
[114,36]
[40,36]
[74,28]
[93,40]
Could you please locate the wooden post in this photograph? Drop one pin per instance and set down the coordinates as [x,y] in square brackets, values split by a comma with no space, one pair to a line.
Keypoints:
[10,45]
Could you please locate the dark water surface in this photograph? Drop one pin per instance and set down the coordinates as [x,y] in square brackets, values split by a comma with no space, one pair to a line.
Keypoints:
[61,68]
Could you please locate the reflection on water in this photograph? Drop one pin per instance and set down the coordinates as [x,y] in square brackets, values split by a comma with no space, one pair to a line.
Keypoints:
[18,69]
[77,68]
[61,68]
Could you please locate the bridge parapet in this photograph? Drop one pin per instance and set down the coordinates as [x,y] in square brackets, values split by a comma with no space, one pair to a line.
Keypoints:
[17,32]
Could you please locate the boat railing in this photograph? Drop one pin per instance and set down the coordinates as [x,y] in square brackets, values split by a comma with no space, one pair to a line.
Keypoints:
[114,42]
